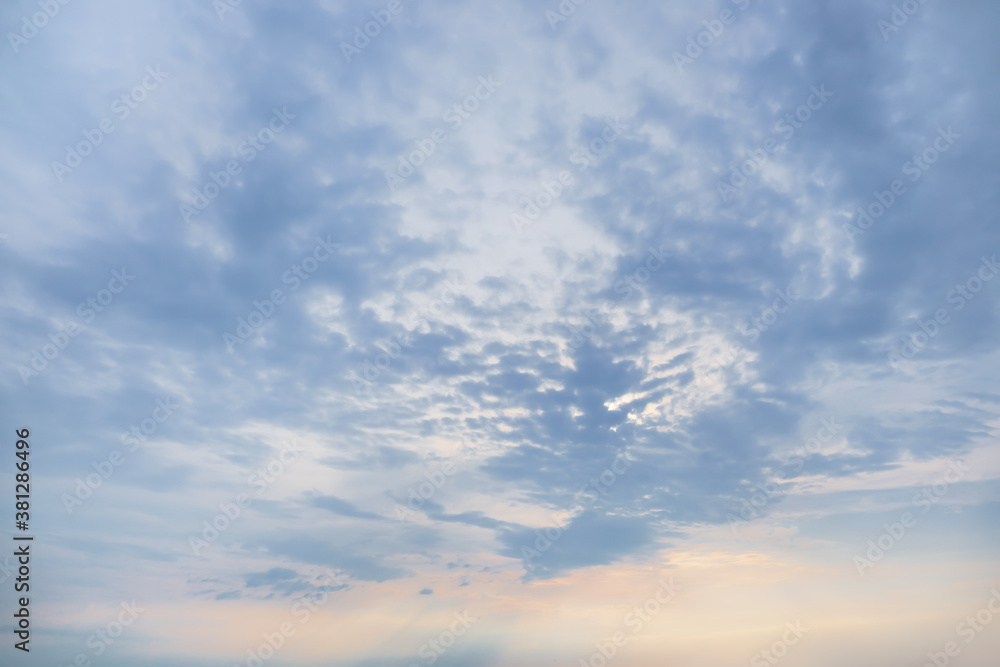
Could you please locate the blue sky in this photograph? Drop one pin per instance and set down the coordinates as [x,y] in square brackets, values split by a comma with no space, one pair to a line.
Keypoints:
[504,310]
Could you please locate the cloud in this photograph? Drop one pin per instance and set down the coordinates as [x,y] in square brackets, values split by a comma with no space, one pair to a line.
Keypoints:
[342,507]
[437,332]
[591,539]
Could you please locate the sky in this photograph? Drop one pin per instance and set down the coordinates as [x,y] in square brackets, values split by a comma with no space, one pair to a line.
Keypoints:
[453,333]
